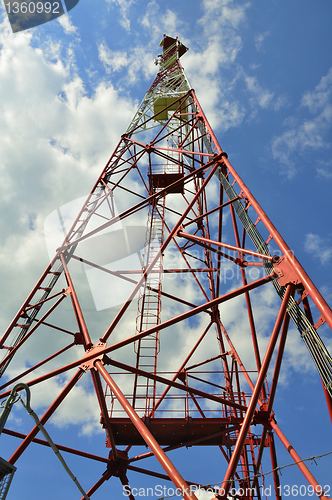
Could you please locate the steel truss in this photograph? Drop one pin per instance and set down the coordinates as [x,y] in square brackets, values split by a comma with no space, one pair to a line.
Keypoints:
[168,373]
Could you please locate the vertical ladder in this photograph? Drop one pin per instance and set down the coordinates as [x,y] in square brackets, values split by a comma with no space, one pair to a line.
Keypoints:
[149,302]
[148,313]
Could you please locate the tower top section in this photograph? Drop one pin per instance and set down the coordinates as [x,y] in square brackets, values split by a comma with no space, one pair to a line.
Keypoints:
[173,49]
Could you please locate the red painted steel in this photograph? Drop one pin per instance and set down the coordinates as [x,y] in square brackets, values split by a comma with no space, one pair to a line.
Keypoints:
[226,485]
[194,389]
[241,250]
[274,466]
[60,447]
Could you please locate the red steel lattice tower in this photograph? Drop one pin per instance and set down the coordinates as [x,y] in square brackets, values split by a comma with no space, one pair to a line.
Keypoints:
[168,368]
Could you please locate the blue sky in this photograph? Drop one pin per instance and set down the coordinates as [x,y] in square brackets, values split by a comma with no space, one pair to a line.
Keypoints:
[68,89]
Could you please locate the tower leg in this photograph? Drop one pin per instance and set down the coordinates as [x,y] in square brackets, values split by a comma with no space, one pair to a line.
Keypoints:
[299,462]
[225,487]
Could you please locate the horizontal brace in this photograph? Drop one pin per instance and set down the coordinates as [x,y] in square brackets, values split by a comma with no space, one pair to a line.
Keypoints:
[63,292]
[158,474]
[178,150]
[66,449]
[157,271]
[192,237]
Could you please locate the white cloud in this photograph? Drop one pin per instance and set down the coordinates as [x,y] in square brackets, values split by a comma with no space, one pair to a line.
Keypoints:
[261,96]
[137,63]
[312,131]
[282,101]
[157,22]
[124,7]
[319,247]
[67,25]
[221,13]
[324,170]
[319,99]
[259,39]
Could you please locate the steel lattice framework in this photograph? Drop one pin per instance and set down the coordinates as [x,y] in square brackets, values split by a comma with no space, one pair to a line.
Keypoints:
[168,223]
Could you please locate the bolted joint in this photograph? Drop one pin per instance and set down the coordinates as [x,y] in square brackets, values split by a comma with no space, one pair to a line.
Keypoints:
[215,314]
[262,416]
[222,165]
[241,262]
[285,271]
[94,353]
[118,466]
[182,375]
[78,338]
[179,231]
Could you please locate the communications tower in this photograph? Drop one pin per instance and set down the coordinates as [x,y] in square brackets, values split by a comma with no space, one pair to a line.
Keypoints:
[176,254]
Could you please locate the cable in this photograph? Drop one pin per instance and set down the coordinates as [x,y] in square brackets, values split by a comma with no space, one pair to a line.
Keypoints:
[9,403]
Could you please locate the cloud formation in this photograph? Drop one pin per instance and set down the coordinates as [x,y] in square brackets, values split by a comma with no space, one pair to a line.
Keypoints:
[319,247]
[55,139]
[310,133]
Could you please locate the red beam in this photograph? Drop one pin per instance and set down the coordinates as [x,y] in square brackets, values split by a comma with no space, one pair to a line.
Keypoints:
[38,365]
[76,306]
[61,447]
[192,237]
[303,276]
[225,487]
[25,338]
